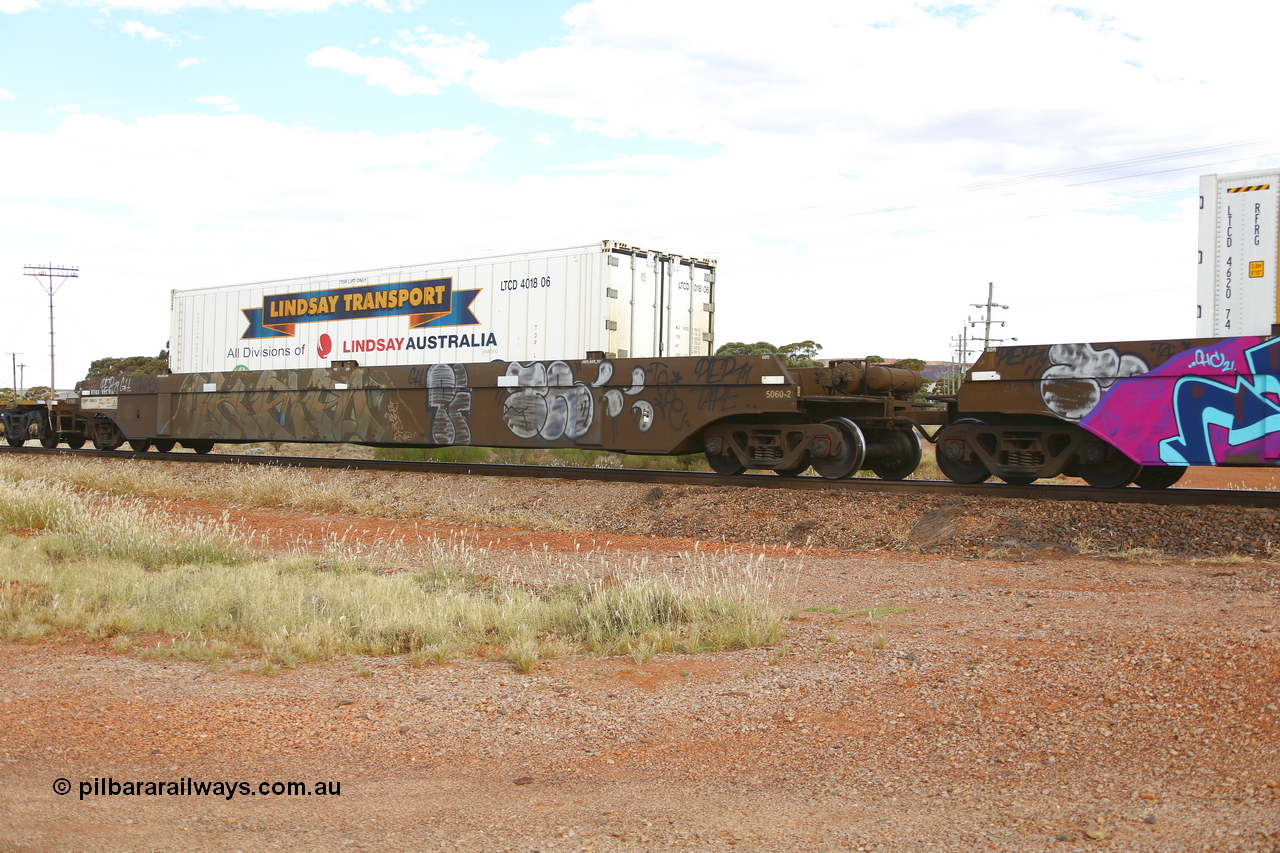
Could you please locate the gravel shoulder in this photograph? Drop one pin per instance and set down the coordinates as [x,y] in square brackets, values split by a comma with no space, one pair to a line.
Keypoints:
[1006,692]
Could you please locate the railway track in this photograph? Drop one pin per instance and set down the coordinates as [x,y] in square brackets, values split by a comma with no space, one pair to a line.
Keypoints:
[1052,492]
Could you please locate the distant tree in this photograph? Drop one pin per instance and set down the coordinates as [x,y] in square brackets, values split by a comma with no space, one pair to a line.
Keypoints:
[134,365]
[36,392]
[739,348]
[799,354]
[910,363]
[875,359]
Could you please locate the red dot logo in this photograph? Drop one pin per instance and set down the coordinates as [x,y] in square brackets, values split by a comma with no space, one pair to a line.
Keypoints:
[326,346]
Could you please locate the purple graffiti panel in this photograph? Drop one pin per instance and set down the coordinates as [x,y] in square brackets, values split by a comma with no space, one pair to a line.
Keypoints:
[1213,405]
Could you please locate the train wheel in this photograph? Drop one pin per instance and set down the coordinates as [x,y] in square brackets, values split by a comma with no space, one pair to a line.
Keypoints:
[75,442]
[725,463]
[108,439]
[15,440]
[953,465]
[163,445]
[139,445]
[852,452]
[1106,467]
[199,445]
[50,441]
[1159,476]
[904,457]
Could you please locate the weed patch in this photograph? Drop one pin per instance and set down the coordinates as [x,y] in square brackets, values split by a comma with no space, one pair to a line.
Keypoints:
[109,569]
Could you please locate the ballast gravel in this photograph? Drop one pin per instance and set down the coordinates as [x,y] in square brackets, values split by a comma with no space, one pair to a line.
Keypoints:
[957,676]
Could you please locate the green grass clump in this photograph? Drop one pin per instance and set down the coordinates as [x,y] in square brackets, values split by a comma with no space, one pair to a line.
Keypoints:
[292,611]
[110,568]
[461,454]
[78,528]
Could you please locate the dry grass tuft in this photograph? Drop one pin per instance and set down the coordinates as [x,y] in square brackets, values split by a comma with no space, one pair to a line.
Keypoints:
[109,568]
[308,490]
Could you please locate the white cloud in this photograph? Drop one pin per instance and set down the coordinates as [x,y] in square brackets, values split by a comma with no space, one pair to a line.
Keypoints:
[6,95]
[234,198]
[141,30]
[666,164]
[395,74]
[1028,80]
[221,101]
[857,141]
[271,6]
[191,62]
[860,173]
[189,200]
[448,58]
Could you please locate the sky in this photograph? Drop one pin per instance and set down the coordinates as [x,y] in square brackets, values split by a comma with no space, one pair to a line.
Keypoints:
[859,171]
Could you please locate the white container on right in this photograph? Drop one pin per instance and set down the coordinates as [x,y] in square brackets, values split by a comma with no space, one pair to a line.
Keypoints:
[1239,243]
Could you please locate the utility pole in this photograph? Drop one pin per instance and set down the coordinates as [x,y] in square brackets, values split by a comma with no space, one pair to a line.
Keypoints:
[15,374]
[22,375]
[51,272]
[961,362]
[989,304]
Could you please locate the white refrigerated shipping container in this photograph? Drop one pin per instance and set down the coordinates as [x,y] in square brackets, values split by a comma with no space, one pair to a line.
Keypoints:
[1236,285]
[606,297]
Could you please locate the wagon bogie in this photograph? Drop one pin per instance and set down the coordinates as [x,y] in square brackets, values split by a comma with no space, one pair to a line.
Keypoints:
[1115,413]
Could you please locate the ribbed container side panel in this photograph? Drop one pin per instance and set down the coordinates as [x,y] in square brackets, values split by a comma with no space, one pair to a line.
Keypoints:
[555,304]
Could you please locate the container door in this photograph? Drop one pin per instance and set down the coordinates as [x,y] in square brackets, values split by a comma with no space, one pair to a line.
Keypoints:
[678,279]
[1244,285]
[639,287]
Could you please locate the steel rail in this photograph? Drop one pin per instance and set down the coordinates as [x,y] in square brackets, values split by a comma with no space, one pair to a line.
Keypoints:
[761,480]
